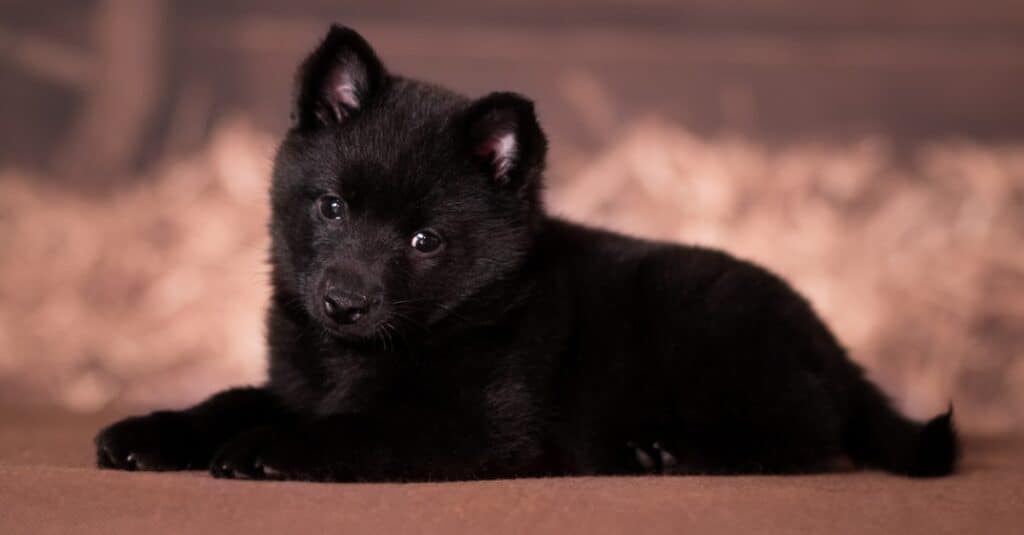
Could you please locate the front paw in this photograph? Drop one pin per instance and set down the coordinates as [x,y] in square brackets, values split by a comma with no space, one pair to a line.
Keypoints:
[270,453]
[160,441]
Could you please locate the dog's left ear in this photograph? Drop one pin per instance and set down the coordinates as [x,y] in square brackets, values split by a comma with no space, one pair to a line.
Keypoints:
[505,140]
[339,79]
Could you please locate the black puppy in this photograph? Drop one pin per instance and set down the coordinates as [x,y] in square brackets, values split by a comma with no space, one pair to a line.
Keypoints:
[429,322]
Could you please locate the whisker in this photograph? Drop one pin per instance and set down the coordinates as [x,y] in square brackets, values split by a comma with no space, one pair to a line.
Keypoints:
[411,321]
[378,334]
[398,332]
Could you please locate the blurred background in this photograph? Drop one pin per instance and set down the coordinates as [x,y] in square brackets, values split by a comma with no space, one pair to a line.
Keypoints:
[872,152]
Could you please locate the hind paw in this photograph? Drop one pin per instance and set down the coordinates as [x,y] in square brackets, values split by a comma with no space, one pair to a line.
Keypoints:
[652,458]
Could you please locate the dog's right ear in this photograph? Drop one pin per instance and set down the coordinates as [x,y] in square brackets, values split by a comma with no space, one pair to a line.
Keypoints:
[338,79]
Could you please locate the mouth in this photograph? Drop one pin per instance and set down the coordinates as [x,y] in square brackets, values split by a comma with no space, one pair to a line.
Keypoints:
[368,331]
[355,331]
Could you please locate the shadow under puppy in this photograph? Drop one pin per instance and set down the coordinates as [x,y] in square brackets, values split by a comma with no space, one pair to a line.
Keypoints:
[429,321]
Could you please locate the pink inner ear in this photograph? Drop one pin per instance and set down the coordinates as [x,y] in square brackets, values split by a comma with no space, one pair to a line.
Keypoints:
[341,94]
[501,150]
[346,93]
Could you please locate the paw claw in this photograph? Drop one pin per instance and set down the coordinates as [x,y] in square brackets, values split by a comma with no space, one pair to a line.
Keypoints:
[222,470]
[644,458]
[667,459]
[104,459]
[270,472]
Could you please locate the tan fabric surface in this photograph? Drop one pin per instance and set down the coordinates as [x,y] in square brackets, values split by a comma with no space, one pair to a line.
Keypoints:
[48,485]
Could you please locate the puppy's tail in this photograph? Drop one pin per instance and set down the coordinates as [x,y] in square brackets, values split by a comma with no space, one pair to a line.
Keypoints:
[876,435]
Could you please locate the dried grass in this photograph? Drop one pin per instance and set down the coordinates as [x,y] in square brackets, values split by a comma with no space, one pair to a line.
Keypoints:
[150,295]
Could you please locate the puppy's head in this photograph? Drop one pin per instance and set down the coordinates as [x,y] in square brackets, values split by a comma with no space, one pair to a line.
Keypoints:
[395,203]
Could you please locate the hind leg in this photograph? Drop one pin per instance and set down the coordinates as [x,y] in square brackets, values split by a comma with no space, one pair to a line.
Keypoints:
[792,428]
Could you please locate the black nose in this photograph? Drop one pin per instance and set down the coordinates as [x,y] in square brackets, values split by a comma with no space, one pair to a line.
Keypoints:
[346,307]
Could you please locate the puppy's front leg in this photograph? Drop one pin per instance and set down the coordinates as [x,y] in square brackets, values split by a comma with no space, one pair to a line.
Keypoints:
[408,445]
[182,440]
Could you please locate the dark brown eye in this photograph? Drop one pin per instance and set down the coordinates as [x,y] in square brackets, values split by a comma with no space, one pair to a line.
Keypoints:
[426,241]
[331,207]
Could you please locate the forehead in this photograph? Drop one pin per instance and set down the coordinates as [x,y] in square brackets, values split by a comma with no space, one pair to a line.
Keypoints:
[395,155]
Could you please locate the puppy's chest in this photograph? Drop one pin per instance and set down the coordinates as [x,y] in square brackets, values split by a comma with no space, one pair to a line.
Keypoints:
[365,385]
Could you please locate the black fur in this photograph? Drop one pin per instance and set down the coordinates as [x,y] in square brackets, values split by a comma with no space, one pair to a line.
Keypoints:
[525,345]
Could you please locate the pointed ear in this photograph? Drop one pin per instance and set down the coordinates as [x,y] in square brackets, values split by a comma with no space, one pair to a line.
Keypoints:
[337,80]
[505,140]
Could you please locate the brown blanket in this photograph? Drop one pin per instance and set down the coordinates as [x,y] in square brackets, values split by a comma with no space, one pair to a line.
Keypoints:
[48,485]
